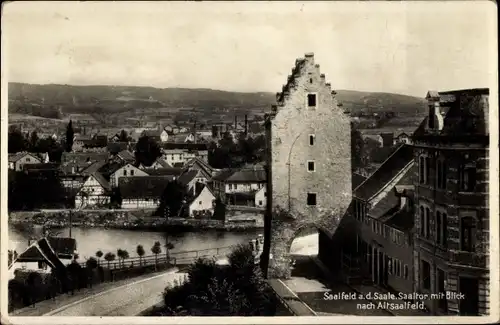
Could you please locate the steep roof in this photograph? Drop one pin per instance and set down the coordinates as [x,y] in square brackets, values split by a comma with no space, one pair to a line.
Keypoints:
[63,245]
[357,179]
[197,163]
[101,180]
[143,186]
[403,220]
[162,163]
[248,176]
[93,168]
[187,177]
[385,173]
[18,155]
[126,155]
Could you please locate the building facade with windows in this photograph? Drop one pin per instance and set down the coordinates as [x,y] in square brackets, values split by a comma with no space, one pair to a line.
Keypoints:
[383,207]
[451,248]
[309,164]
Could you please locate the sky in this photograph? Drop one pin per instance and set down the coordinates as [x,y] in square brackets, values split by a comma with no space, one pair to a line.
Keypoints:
[400,47]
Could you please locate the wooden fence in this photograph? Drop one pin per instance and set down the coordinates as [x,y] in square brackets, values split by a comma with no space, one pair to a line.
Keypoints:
[176,258]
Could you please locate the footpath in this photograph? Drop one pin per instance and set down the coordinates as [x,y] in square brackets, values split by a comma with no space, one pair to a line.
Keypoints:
[46,306]
[365,289]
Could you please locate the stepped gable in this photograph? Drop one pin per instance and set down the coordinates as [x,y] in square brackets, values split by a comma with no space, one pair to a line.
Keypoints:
[292,80]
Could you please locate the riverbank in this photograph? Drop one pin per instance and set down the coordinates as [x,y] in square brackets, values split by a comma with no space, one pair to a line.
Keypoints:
[141,220]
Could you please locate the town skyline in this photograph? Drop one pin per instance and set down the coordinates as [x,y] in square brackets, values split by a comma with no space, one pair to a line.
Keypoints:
[131,49]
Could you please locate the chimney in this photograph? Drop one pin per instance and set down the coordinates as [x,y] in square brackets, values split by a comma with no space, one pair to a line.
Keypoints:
[435,119]
[310,58]
[246,124]
[235,122]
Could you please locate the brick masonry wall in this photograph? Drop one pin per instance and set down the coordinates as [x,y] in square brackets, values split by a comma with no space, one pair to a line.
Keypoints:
[290,150]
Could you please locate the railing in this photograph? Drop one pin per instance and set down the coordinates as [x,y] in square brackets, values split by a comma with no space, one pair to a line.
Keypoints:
[174,258]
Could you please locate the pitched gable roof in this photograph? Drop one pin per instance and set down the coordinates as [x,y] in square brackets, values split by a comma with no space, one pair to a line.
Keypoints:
[84,157]
[16,156]
[248,175]
[93,168]
[101,180]
[162,163]
[197,163]
[116,147]
[187,177]
[126,155]
[137,187]
[400,159]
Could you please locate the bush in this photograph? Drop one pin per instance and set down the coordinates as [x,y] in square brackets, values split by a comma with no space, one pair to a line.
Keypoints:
[238,289]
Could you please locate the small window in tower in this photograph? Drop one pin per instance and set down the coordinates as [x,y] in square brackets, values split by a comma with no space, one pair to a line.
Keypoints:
[311,100]
[311,139]
[311,80]
[311,198]
[311,167]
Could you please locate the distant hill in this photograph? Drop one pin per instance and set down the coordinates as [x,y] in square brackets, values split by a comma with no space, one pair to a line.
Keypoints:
[121,99]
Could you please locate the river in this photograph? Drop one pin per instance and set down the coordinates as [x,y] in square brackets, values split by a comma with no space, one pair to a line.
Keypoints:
[90,240]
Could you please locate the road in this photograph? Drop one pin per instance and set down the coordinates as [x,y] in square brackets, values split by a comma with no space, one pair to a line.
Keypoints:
[132,298]
[127,300]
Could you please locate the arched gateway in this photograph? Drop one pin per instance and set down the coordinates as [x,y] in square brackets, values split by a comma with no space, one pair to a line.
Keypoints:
[309,165]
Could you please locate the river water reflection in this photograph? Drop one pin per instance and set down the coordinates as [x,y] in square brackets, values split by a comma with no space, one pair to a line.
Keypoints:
[90,240]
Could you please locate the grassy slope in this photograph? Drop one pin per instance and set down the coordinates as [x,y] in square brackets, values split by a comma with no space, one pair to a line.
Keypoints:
[127,99]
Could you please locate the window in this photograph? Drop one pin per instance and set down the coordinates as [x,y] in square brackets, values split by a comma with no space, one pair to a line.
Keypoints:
[311,139]
[265,194]
[230,186]
[132,173]
[27,160]
[260,202]
[389,265]
[467,178]
[405,272]
[467,234]
[311,100]
[427,223]
[441,174]
[199,202]
[421,172]
[399,268]
[124,172]
[441,278]
[426,275]
[235,186]
[310,80]
[311,198]
[427,169]
[422,221]
[441,228]
[311,166]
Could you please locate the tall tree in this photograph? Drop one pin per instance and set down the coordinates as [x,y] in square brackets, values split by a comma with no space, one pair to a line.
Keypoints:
[357,149]
[69,136]
[16,142]
[124,136]
[146,151]
[33,142]
[172,199]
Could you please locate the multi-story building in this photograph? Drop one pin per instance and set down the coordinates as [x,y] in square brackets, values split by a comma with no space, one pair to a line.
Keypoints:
[309,176]
[383,206]
[451,249]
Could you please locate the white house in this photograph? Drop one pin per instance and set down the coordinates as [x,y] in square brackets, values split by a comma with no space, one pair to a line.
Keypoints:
[125,171]
[247,180]
[43,255]
[142,192]
[261,197]
[95,191]
[204,202]
[18,160]
[188,179]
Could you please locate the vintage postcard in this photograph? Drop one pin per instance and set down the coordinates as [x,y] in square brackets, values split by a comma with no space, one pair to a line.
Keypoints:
[272,162]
